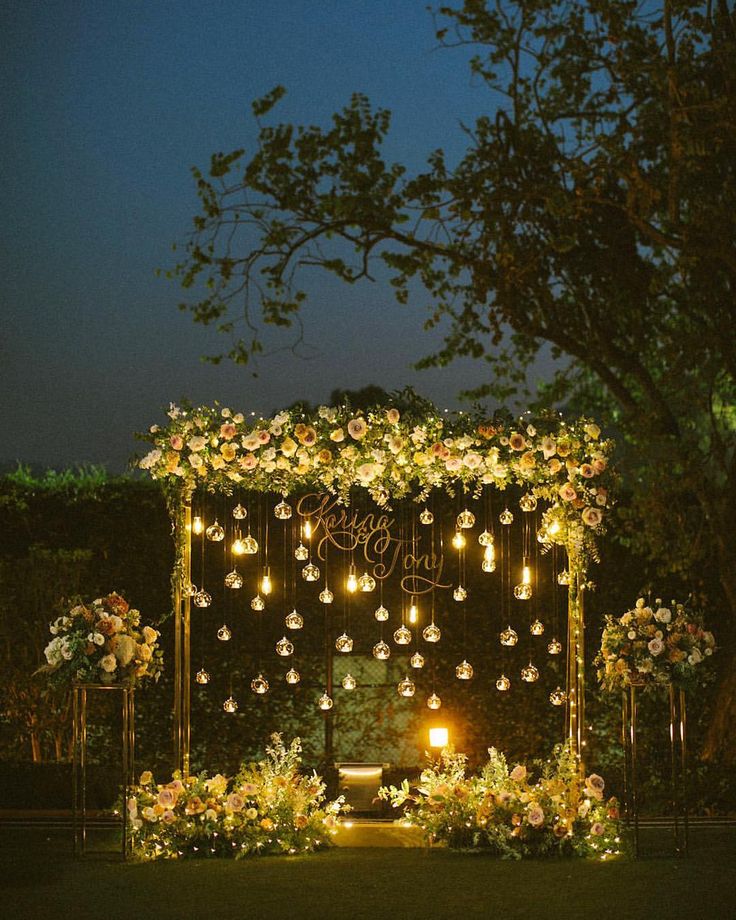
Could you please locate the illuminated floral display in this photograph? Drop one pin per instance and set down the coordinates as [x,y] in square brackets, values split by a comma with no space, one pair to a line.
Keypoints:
[269,808]
[512,812]
[102,642]
[653,646]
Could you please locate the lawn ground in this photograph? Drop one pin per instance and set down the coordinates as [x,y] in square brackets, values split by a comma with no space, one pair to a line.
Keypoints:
[40,879]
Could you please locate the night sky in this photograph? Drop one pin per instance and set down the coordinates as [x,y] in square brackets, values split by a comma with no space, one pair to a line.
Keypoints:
[105,107]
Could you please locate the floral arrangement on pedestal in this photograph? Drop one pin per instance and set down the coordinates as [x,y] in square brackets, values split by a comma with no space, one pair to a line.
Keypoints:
[268,808]
[653,646]
[508,811]
[101,642]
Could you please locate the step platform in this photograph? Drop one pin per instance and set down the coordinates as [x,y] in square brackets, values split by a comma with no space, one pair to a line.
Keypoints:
[373,832]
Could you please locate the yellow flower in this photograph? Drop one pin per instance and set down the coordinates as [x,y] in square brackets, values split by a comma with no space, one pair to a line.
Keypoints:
[228,451]
[337,435]
[267,824]
[288,447]
[146,777]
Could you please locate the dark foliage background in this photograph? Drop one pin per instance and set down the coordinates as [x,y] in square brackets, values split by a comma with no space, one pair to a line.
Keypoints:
[82,532]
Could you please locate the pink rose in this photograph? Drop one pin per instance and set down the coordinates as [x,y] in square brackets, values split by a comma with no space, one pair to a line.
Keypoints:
[249,462]
[176,441]
[592,516]
[587,470]
[228,431]
[167,798]
[597,829]
[567,493]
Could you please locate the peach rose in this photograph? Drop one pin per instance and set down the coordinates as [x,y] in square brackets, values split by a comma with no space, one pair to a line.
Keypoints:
[517,441]
[357,428]
[393,416]
[228,431]
[567,493]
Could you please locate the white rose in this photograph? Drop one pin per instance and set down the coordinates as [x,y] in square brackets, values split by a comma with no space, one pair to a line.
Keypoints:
[150,460]
[108,663]
[663,615]
[98,639]
[196,443]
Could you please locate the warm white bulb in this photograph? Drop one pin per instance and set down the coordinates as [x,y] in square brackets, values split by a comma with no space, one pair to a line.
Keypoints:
[554,527]
[489,554]
[352,582]
[197,525]
[413,613]
[266,586]
[307,530]
[238,547]
[526,575]
[458,541]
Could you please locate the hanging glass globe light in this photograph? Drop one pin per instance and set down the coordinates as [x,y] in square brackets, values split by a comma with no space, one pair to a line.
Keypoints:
[503,683]
[215,532]
[417,660]
[381,614]
[508,636]
[406,687]
[459,593]
[554,646]
[310,572]
[292,676]
[349,682]
[224,634]
[466,519]
[239,512]
[189,589]
[489,558]
[257,603]
[431,633]
[402,636]
[325,702]
[259,685]
[366,582]
[433,701]
[529,673]
[294,620]
[197,525]
[426,516]
[487,566]
[537,628]
[563,578]
[250,545]
[458,541]
[344,644]
[506,517]
[522,592]
[202,676]
[486,538]
[284,647]
[283,511]
[230,705]
[326,596]
[202,599]
[234,580]
[528,502]
[301,553]
[464,671]
[238,547]
[381,651]
[558,697]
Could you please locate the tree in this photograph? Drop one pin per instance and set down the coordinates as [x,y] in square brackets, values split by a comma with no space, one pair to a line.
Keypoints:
[594,211]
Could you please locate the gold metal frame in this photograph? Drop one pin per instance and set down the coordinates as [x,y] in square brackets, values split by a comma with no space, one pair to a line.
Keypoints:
[79,759]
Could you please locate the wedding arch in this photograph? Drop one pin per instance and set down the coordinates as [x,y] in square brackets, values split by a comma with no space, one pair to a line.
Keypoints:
[319,465]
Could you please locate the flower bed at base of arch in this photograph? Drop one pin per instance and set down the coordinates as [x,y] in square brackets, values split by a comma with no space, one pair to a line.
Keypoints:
[269,808]
[336,449]
[510,814]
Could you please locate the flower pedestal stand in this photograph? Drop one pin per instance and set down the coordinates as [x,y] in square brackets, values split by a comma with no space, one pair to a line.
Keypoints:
[678,763]
[79,758]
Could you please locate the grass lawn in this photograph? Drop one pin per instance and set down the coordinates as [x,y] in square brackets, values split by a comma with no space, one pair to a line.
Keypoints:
[40,879]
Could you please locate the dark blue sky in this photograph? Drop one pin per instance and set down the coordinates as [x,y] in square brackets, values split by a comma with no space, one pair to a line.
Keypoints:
[105,106]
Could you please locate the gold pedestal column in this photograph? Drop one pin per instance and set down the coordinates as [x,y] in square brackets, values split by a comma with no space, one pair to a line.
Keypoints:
[575,711]
[182,638]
